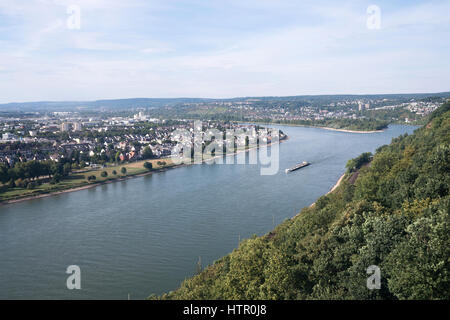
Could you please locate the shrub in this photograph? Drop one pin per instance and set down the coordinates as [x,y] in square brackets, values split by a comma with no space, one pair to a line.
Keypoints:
[11,184]
[31,185]
[21,183]
[148,166]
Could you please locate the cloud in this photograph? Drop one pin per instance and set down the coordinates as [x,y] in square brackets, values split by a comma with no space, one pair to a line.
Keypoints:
[221,49]
[156,50]
[94,41]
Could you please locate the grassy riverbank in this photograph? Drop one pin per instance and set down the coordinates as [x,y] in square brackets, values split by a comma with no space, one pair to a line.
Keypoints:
[78,180]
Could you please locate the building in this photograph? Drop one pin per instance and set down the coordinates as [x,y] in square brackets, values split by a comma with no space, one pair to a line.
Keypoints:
[65,126]
[77,126]
[8,136]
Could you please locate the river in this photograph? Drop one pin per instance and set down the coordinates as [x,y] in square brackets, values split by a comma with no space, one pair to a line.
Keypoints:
[145,235]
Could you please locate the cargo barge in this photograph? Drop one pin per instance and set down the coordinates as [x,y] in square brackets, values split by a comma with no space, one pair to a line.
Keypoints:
[298,166]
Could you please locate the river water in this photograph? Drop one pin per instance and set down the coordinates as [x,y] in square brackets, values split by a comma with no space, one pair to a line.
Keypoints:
[145,235]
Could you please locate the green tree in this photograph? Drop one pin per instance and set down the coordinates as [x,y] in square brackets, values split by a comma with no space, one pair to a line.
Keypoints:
[419,267]
[148,166]
[147,153]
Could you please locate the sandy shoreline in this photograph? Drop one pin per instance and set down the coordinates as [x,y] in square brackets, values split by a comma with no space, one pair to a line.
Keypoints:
[332,189]
[350,131]
[326,128]
[338,183]
[93,185]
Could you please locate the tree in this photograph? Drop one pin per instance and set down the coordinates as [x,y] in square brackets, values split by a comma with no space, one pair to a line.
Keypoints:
[148,166]
[56,178]
[147,153]
[11,184]
[356,163]
[419,265]
[3,173]
[67,168]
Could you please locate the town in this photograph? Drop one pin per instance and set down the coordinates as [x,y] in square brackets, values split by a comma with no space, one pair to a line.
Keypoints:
[65,150]
[97,137]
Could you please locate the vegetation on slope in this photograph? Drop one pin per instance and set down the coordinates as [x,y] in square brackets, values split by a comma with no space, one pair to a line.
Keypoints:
[393,213]
[346,124]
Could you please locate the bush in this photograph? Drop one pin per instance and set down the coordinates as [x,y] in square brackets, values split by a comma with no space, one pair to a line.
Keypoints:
[56,178]
[31,185]
[11,184]
[358,162]
[148,166]
[21,183]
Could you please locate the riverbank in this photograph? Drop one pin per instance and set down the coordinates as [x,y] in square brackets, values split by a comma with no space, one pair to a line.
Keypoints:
[338,183]
[139,171]
[351,131]
[319,127]
[88,185]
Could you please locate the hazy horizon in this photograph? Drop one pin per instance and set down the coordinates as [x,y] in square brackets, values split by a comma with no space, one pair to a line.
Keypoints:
[229,98]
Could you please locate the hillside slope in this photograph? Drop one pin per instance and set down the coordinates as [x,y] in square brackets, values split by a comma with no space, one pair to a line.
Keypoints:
[394,213]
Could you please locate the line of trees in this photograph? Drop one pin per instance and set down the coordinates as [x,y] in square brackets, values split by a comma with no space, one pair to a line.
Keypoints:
[33,170]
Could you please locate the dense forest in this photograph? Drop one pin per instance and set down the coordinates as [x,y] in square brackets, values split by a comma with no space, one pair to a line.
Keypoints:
[391,210]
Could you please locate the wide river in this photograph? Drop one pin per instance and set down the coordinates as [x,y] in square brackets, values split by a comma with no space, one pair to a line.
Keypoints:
[145,235]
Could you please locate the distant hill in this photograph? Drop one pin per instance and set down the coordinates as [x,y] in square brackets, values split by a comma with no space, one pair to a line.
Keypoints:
[116,104]
[122,104]
[391,212]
